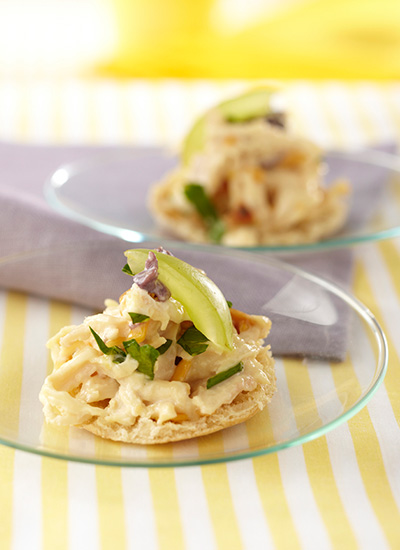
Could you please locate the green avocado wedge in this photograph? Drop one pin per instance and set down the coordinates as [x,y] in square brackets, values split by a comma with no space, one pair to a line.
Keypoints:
[201,298]
[253,104]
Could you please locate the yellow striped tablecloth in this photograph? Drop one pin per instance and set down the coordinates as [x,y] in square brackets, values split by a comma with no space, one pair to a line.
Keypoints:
[341,490]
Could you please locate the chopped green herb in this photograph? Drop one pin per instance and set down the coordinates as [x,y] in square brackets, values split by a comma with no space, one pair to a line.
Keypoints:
[164,347]
[127,269]
[138,317]
[145,355]
[229,303]
[195,194]
[119,354]
[193,341]
[221,376]
[217,231]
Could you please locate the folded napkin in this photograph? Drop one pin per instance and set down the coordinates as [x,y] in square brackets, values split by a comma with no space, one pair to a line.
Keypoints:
[82,266]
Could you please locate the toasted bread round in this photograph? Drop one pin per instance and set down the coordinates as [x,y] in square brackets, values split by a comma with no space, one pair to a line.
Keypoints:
[147,432]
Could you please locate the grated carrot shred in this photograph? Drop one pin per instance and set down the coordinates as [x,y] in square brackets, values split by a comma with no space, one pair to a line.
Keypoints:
[181,370]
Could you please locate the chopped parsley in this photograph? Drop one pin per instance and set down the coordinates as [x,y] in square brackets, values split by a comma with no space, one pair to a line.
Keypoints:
[164,347]
[145,355]
[193,341]
[127,269]
[119,354]
[137,317]
[196,195]
[221,376]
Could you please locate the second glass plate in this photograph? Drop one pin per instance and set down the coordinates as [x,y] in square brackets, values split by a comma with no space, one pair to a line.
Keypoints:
[109,192]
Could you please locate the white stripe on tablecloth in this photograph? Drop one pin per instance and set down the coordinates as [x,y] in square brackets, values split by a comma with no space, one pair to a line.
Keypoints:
[40,112]
[248,506]
[83,525]
[339,105]
[394,95]
[195,515]
[345,469]
[202,96]
[296,483]
[374,107]
[352,491]
[74,112]
[141,114]
[176,116]
[303,100]
[27,512]
[305,512]
[106,105]
[140,524]
[10,108]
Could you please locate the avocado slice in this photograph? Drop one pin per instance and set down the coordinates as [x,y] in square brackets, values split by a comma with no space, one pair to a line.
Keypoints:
[253,104]
[201,298]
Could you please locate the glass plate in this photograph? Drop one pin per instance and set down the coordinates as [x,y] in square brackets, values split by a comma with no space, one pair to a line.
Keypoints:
[331,354]
[109,193]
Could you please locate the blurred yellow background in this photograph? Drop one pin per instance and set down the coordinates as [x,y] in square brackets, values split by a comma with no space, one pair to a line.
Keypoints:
[347,39]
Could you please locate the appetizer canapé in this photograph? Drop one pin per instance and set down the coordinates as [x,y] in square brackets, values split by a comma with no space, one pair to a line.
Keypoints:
[170,361]
[246,180]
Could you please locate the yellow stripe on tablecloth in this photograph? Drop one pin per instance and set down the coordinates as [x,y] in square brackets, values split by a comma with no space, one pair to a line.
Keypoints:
[166,509]
[391,256]
[367,447]
[55,504]
[6,500]
[110,508]
[110,501]
[165,501]
[11,358]
[55,472]
[11,366]
[219,496]
[274,502]
[319,467]
[270,487]
[365,294]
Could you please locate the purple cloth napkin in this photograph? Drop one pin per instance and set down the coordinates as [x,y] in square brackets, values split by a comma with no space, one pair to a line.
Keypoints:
[70,271]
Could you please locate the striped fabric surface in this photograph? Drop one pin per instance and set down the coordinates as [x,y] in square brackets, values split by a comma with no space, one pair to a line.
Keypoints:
[341,490]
